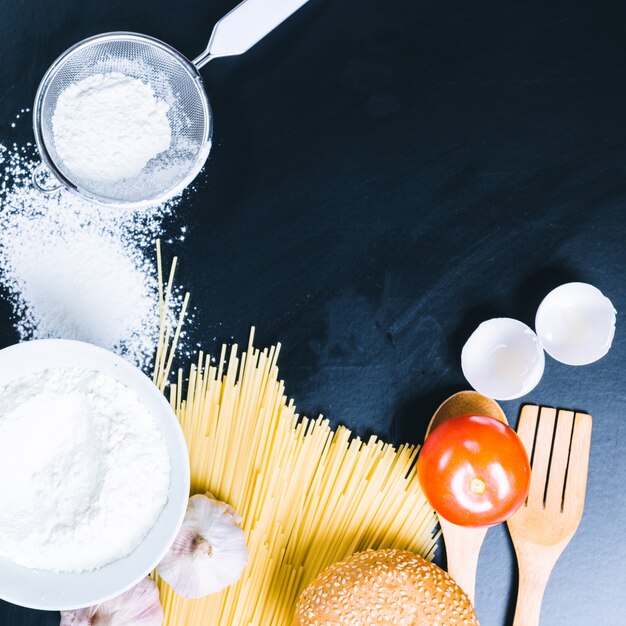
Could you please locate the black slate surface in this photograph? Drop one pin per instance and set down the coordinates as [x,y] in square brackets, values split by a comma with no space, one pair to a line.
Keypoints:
[386,175]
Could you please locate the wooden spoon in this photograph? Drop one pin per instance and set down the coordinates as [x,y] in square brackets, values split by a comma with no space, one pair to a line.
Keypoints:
[462,543]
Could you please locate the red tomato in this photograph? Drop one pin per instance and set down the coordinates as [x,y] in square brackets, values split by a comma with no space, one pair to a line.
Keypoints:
[474,470]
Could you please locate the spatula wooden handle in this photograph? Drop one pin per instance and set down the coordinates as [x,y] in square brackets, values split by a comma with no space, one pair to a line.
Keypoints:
[532,585]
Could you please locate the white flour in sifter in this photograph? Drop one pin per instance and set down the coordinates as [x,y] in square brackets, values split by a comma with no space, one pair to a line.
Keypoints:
[107,127]
[84,470]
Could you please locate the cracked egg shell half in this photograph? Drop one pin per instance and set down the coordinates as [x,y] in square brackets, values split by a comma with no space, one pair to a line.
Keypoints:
[576,324]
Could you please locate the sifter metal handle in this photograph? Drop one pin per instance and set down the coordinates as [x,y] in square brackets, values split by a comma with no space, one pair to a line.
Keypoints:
[245,25]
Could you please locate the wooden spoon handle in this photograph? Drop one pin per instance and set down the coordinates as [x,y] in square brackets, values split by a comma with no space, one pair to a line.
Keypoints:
[462,551]
[532,585]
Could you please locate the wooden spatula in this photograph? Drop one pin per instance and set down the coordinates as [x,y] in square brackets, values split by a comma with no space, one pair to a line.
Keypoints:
[557,443]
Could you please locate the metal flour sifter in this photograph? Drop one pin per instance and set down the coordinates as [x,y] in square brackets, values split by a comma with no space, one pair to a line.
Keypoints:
[174,78]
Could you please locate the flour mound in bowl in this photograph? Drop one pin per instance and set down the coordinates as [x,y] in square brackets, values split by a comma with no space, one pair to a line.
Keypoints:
[84,470]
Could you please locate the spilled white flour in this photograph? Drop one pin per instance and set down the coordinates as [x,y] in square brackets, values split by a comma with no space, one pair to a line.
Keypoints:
[74,270]
[84,470]
[107,127]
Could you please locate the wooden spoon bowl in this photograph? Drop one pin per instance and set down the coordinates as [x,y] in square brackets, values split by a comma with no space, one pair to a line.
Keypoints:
[464,403]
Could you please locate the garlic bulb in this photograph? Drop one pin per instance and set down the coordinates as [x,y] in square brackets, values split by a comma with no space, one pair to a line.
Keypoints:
[209,552]
[139,606]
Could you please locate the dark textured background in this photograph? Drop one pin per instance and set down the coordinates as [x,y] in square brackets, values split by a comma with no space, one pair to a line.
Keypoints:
[386,175]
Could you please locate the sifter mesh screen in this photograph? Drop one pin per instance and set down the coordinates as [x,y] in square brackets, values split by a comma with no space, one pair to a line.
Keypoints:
[173,79]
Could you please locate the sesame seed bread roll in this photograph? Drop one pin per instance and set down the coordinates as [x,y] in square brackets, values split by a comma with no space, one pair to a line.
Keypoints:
[384,587]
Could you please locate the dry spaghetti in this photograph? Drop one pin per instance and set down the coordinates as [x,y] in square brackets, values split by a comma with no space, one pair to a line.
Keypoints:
[309,496]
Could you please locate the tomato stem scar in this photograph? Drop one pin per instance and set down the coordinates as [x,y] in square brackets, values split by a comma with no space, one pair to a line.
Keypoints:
[478,486]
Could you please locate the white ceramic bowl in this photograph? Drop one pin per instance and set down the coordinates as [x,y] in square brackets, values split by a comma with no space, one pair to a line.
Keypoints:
[58,591]
[576,323]
[503,359]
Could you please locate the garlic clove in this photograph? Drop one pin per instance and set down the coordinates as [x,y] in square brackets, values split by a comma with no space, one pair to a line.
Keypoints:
[139,606]
[209,553]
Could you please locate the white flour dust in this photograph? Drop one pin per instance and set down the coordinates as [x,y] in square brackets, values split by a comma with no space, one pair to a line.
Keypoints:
[74,270]
[84,470]
[107,127]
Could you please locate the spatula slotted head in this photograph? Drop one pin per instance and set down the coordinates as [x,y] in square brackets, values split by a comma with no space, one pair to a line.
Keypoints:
[558,444]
